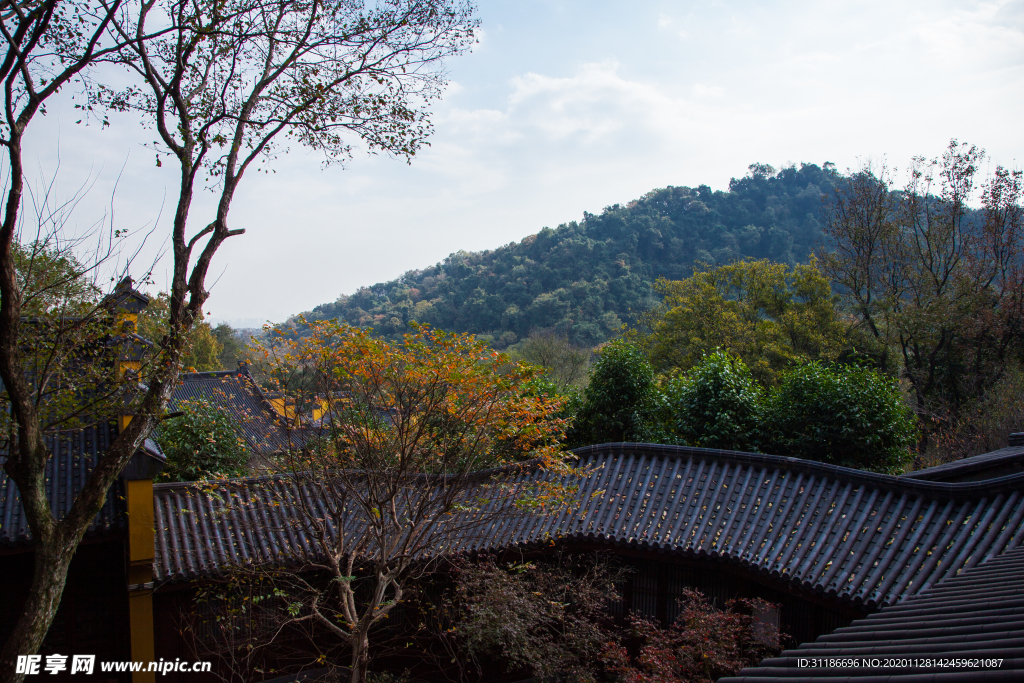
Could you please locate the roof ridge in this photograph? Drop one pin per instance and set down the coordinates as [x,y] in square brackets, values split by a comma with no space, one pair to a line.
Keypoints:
[887,482]
[209,374]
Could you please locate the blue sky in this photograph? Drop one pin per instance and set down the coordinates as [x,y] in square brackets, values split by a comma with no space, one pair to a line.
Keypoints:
[567,107]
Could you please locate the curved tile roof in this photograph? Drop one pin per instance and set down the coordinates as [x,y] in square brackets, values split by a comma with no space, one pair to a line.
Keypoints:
[858,537]
[976,615]
[235,392]
[1009,460]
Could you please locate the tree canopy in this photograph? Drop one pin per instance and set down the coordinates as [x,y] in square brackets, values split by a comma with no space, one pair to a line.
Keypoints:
[586,278]
[716,405]
[52,280]
[201,443]
[619,399]
[840,414]
[843,415]
[770,315]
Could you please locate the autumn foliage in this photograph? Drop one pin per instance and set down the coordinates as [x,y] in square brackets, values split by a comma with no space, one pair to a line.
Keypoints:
[703,644]
[550,618]
[408,447]
[437,402]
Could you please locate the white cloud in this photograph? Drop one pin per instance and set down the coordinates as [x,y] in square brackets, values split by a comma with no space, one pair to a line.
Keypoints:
[453,88]
[701,91]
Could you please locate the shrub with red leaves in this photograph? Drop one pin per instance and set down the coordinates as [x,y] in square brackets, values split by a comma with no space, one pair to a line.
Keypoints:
[703,644]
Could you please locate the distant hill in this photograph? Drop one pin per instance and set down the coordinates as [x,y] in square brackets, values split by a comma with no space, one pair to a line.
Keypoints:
[587,278]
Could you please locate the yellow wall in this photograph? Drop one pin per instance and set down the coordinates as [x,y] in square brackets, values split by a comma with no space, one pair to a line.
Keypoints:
[128,317]
[284,407]
[141,552]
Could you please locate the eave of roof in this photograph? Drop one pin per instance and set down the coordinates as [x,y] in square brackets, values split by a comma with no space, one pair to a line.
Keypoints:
[858,537]
[968,466]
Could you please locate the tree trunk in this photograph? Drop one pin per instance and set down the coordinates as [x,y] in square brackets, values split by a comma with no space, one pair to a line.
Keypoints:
[360,654]
[50,571]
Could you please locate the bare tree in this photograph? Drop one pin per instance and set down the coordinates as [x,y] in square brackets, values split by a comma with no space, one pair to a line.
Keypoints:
[564,364]
[861,221]
[221,83]
[937,288]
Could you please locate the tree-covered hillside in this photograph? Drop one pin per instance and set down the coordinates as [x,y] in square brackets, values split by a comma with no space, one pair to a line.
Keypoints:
[585,279]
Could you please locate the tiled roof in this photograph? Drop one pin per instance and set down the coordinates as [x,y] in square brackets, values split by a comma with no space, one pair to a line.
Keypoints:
[240,397]
[1009,460]
[975,615]
[858,537]
[75,456]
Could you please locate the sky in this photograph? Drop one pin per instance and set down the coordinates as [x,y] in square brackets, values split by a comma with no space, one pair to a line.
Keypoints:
[566,107]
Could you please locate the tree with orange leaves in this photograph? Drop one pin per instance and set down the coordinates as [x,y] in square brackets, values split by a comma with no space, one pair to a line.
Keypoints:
[409,448]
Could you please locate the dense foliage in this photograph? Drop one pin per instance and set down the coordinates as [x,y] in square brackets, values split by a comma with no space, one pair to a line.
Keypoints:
[51,279]
[702,645]
[453,404]
[843,415]
[619,399]
[550,619]
[716,405]
[768,314]
[839,414]
[201,443]
[70,341]
[232,346]
[586,278]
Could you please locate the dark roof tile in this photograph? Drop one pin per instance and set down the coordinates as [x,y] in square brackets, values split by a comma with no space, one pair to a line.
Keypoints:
[862,538]
[1009,460]
[240,397]
[76,453]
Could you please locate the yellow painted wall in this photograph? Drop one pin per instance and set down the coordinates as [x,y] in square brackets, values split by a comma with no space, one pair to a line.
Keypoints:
[141,552]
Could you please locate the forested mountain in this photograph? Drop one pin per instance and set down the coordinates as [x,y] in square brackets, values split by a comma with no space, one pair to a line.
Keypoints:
[586,278]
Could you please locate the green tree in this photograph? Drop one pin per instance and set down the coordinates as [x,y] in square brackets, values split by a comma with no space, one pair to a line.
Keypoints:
[330,77]
[232,348]
[618,403]
[201,443]
[716,405]
[52,280]
[766,313]
[842,415]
